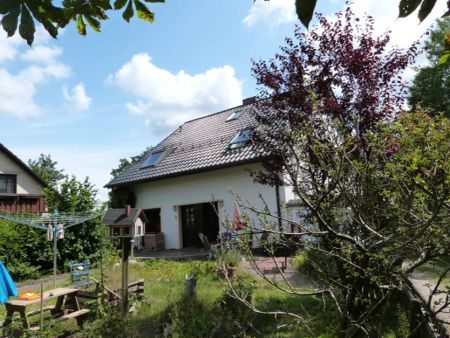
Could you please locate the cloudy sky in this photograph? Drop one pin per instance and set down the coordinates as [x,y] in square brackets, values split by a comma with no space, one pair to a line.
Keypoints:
[89,101]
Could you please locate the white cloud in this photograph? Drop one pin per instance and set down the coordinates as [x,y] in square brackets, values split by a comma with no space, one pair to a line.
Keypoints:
[276,12]
[404,30]
[168,99]
[36,65]
[77,97]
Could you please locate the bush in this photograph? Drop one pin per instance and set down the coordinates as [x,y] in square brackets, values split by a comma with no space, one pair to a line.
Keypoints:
[22,271]
[311,261]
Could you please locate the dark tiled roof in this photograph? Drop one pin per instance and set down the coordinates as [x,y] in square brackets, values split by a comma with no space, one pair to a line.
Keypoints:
[21,164]
[119,217]
[198,145]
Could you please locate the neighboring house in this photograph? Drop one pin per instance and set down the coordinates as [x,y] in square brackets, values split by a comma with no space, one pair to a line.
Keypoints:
[20,187]
[188,183]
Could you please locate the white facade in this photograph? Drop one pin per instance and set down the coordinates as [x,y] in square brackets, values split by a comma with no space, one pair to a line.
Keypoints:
[26,184]
[222,185]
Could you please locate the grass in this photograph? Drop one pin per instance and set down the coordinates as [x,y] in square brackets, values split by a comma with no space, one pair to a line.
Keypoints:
[165,312]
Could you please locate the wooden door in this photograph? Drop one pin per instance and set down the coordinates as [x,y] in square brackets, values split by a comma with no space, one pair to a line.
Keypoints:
[191,221]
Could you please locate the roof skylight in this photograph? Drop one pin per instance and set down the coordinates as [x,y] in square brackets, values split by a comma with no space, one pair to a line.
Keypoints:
[235,115]
[153,159]
[241,138]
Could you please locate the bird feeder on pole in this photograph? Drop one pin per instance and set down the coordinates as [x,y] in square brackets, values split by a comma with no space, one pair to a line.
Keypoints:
[125,224]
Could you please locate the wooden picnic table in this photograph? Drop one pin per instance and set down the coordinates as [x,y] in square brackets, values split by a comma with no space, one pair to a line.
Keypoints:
[65,297]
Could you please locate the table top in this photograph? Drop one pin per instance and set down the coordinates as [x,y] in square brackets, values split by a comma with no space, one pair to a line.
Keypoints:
[47,295]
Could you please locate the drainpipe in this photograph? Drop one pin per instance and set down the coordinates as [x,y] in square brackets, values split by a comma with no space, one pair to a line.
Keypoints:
[277,196]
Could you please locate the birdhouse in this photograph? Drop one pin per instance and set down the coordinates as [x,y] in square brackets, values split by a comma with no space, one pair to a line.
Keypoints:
[125,223]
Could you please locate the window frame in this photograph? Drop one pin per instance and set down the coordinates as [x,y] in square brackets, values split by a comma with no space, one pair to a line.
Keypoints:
[240,141]
[7,183]
[158,160]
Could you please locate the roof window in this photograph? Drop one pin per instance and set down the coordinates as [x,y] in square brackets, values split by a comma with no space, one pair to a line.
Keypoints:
[153,159]
[241,139]
[235,115]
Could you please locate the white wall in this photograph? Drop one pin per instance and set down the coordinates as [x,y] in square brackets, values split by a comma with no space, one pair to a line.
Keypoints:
[169,194]
[26,184]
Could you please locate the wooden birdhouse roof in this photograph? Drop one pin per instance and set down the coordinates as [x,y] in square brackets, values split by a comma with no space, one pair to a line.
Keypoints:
[123,216]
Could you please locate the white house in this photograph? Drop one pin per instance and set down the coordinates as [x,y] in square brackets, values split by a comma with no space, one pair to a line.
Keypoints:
[188,183]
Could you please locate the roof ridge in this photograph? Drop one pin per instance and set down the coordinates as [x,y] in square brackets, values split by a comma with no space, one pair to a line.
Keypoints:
[216,113]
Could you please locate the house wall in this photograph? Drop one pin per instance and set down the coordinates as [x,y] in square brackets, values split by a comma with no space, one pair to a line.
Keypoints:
[26,184]
[216,185]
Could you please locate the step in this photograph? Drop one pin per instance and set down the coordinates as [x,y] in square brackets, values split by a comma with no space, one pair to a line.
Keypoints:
[45,308]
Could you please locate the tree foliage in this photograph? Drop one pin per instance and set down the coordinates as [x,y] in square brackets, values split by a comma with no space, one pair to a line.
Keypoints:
[305,9]
[431,85]
[374,181]
[123,195]
[46,169]
[54,15]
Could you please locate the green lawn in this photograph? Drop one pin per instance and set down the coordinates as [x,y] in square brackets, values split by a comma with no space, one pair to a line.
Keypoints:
[165,312]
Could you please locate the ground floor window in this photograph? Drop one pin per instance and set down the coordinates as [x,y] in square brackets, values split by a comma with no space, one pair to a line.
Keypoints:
[154,220]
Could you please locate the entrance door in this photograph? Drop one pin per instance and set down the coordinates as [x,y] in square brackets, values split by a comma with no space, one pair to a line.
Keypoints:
[199,218]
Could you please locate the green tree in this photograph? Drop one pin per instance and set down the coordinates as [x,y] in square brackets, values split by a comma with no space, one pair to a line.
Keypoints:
[82,241]
[123,195]
[54,15]
[431,85]
[46,169]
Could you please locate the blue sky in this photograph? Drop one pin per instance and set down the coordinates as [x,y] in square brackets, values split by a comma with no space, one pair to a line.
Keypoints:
[89,101]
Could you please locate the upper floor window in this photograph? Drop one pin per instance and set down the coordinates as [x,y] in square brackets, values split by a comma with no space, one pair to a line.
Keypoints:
[241,138]
[153,159]
[235,115]
[8,184]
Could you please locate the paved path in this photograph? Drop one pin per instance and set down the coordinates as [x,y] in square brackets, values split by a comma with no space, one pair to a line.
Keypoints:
[423,283]
[269,268]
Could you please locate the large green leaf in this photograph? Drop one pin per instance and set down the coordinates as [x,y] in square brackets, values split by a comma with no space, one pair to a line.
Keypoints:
[26,27]
[305,10]
[10,21]
[406,7]
[426,8]
[444,58]
[81,25]
[94,23]
[118,4]
[7,6]
[143,12]
[129,12]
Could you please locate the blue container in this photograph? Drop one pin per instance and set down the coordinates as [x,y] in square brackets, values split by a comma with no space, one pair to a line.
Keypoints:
[80,273]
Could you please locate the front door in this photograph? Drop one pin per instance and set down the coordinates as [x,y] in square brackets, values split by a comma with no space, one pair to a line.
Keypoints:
[199,218]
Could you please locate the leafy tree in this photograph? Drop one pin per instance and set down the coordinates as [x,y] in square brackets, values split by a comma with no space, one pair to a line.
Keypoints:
[123,195]
[305,10]
[83,241]
[375,184]
[46,169]
[431,85]
[54,15]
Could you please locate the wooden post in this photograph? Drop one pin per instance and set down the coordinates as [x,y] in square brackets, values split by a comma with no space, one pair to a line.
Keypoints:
[42,307]
[125,255]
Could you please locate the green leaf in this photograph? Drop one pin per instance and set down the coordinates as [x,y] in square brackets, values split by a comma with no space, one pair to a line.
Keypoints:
[26,27]
[444,58]
[118,4]
[10,21]
[94,23]
[406,7]
[50,28]
[143,12]
[426,8]
[81,26]
[104,4]
[305,10]
[128,13]
[7,6]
